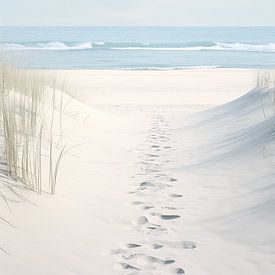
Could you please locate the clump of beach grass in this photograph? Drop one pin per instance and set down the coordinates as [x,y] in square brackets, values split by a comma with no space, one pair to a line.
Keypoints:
[28,105]
[265,79]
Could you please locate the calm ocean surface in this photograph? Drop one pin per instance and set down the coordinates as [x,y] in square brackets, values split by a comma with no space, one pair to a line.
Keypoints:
[143,48]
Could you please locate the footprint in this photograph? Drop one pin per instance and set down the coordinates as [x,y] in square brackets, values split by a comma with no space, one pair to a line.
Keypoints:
[129,256]
[175,195]
[153,156]
[151,260]
[146,184]
[168,261]
[132,245]
[169,217]
[179,271]
[156,228]
[146,207]
[169,208]
[172,179]
[128,266]
[140,220]
[155,146]
[166,217]
[156,246]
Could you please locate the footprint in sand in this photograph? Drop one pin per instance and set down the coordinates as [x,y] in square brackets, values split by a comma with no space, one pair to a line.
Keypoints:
[140,220]
[154,260]
[166,217]
[132,245]
[156,246]
[169,208]
[175,196]
[147,207]
[128,267]
[146,184]
[156,228]
[153,155]
[155,146]
[179,271]
[128,256]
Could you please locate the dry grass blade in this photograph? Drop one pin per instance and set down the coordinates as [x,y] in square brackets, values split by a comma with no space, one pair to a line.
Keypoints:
[26,100]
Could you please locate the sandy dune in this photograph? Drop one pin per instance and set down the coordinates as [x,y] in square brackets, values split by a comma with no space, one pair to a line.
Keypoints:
[158,183]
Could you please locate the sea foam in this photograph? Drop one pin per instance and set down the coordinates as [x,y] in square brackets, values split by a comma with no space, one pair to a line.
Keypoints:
[201,46]
[198,46]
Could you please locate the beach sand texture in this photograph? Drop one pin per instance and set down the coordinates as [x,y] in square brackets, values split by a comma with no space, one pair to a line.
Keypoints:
[173,173]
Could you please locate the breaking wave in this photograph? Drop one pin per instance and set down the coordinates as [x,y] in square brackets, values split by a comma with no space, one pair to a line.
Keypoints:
[197,46]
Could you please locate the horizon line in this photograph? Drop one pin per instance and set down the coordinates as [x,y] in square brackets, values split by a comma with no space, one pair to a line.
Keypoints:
[146,26]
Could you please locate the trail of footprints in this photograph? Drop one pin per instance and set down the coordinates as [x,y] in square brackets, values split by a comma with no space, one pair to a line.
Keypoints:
[153,197]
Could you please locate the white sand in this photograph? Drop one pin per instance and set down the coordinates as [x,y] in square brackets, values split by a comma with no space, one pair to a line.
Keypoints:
[150,190]
[159,87]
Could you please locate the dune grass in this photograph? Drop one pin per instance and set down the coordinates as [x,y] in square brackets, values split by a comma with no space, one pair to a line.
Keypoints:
[28,105]
[265,79]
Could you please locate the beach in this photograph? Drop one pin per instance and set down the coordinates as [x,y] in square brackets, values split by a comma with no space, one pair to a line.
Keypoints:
[171,172]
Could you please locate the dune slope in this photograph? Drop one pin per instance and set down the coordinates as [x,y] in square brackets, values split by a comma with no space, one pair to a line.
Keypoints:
[154,187]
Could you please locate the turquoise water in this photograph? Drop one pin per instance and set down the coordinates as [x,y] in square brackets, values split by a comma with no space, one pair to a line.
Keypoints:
[143,48]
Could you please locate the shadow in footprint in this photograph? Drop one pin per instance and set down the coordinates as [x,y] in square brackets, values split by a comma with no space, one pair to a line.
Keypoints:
[153,260]
[128,267]
[166,217]
[169,217]
[132,245]
[146,184]
[156,228]
[155,146]
[147,207]
[175,195]
[156,246]
[179,271]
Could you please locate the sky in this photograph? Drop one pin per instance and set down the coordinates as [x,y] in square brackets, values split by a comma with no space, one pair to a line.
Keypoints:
[137,12]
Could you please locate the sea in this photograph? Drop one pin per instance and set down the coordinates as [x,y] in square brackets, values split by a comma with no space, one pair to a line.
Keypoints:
[139,48]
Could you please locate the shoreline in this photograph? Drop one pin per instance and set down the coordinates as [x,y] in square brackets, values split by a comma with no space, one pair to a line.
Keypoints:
[160,70]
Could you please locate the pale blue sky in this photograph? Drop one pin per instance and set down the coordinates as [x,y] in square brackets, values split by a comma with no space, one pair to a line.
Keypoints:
[138,12]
